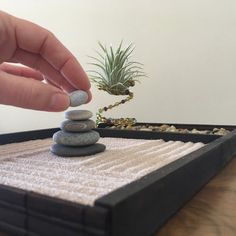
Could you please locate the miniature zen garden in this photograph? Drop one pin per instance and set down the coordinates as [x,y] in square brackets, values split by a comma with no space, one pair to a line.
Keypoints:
[114,73]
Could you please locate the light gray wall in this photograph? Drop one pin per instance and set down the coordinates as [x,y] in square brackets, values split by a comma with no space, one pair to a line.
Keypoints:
[188,48]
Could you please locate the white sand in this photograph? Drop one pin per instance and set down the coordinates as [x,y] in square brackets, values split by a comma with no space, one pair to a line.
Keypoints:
[30,166]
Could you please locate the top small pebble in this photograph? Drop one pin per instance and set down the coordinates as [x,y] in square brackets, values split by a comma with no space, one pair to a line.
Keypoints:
[78,98]
[78,115]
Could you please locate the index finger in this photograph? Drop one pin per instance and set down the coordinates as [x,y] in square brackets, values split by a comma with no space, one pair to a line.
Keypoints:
[35,39]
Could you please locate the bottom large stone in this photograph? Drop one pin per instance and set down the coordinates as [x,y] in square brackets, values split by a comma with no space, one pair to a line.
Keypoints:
[68,151]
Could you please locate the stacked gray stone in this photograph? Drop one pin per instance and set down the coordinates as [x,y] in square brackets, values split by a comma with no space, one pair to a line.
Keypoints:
[77,137]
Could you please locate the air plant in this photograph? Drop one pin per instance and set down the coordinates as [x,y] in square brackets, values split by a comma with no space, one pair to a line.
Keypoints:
[115,74]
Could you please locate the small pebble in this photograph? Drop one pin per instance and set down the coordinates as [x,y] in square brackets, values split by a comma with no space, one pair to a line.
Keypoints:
[77,126]
[183,131]
[216,129]
[76,139]
[78,115]
[195,131]
[164,127]
[145,129]
[221,131]
[78,98]
[171,129]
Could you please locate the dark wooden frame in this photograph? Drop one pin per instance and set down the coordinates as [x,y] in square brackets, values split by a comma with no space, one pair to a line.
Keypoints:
[136,209]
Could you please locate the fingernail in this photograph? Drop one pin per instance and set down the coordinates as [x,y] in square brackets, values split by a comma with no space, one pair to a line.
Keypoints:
[59,102]
[78,98]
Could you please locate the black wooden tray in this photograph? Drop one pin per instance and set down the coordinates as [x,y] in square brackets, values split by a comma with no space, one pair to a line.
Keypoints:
[137,209]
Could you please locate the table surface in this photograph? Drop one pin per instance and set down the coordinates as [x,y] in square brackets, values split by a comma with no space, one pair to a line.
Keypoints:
[211,212]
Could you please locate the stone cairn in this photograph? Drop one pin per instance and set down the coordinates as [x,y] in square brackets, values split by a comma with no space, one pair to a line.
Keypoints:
[76,137]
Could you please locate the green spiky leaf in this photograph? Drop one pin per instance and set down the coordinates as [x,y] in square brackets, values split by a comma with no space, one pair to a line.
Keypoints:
[115,72]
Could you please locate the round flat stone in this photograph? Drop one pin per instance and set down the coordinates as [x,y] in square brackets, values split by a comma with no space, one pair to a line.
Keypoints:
[66,151]
[76,139]
[78,98]
[77,126]
[78,115]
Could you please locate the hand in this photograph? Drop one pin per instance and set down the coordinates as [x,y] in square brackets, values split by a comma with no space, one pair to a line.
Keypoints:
[45,59]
